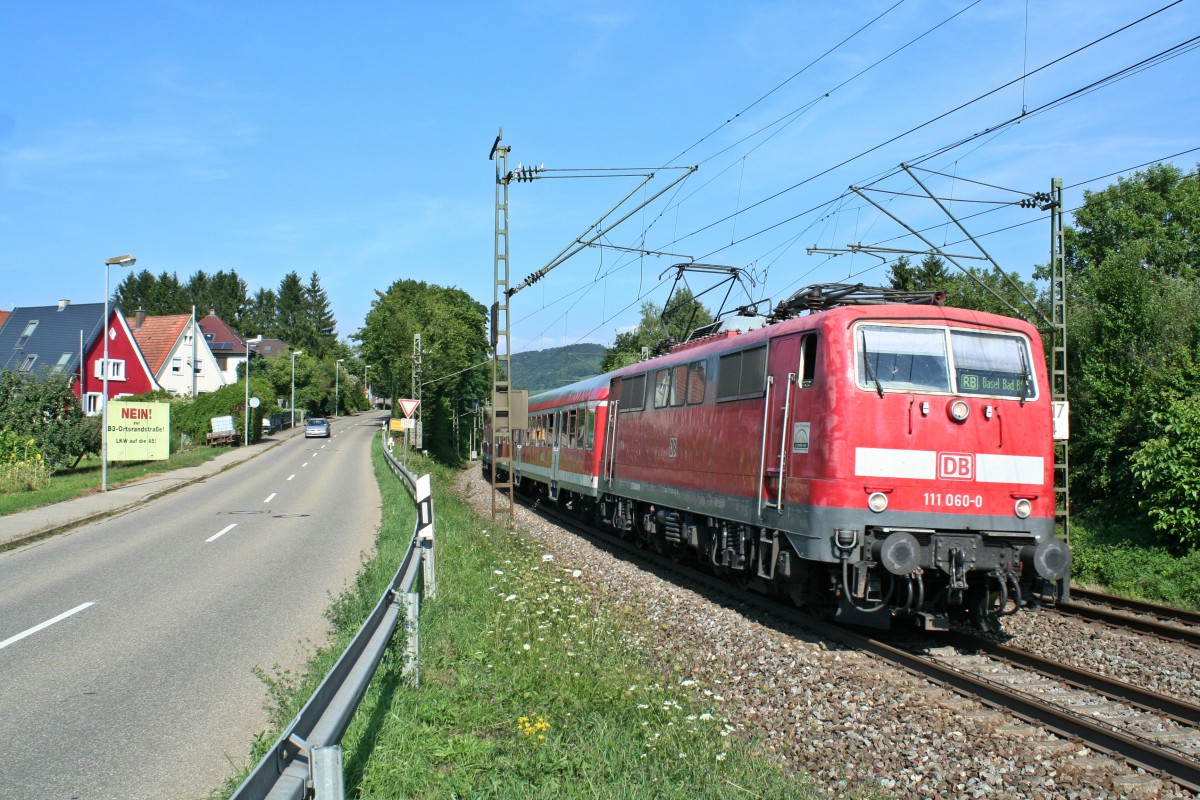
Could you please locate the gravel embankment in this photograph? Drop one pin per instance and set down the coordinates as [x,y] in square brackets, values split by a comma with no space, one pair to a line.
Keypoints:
[853,722]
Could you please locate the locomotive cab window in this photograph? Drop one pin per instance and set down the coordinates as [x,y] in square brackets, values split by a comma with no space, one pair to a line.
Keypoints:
[927,359]
[992,364]
[808,360]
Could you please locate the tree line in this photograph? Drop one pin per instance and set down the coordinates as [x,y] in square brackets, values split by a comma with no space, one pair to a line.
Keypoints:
[297,313]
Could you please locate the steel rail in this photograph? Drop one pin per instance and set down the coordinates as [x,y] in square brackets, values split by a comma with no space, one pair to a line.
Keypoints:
[1114,616]
[1179,710]
[284,772]
[1179,615]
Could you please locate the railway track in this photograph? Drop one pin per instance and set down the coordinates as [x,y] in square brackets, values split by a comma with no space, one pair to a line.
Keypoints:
[1172,624]
[1157,733]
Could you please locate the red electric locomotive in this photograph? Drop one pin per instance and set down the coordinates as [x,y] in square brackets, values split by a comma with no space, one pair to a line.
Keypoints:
[874,462]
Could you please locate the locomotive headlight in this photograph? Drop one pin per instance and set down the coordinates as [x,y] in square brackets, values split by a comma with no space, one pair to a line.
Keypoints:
[1023,508]
[877,502]
[959,410]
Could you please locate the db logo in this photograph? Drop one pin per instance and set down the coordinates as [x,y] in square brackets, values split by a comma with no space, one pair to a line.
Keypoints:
[956,466]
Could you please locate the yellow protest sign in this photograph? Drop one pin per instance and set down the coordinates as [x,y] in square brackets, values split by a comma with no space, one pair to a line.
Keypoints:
[138,431]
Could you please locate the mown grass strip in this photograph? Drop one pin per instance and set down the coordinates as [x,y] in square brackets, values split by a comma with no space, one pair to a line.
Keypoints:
[85,478]
[531,687]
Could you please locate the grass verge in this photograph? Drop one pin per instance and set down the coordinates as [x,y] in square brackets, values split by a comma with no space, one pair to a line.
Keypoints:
[530,686]
[1122,558]
[84,479]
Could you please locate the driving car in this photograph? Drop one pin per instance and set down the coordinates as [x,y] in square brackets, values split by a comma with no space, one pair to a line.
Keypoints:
[316,426]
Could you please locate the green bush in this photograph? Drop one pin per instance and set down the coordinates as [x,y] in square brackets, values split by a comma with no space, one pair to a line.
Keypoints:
[1167,468]
[1124,558]
[193,416]
[42,406]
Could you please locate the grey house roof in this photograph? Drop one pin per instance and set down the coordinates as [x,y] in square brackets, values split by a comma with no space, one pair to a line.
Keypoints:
[53,343]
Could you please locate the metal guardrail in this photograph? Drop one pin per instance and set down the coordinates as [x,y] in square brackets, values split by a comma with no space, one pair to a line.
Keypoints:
[306,761]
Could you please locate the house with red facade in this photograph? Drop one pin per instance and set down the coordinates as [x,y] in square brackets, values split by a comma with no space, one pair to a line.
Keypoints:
[67,339]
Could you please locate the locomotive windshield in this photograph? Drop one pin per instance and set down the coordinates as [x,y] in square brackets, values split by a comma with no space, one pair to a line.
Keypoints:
[915,359]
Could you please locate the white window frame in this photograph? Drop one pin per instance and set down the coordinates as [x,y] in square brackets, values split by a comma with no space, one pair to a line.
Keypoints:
[116,370]
[176,366]
[91,403]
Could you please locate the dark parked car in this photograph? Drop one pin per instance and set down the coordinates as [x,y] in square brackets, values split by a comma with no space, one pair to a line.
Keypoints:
[316,426]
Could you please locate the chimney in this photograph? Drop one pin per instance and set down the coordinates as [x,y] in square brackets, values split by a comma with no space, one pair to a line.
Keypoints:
[139,318]
[62,304]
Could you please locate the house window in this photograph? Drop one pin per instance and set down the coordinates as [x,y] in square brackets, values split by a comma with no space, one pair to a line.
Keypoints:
[91,403]
[116,369]
[63,360]
[176,366]
[27,364]
[30,327]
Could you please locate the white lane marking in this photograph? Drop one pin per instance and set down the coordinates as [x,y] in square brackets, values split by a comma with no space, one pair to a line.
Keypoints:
[305,464]
[291,476]
[324,446]
[314,455]
[270,497]
[46,624]
[224,531]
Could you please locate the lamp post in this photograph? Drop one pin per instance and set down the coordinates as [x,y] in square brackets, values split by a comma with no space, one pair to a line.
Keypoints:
[367,389]
[117,261]
[337,377]
[249,342]
[294,354]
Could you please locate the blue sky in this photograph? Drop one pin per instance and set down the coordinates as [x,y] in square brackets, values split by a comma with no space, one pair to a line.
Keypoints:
[352,139]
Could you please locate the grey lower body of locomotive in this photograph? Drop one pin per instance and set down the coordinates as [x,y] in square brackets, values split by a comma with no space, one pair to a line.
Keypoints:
[956,559]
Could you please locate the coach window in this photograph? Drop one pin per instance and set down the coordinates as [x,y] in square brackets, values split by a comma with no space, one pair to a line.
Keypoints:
[679,384]
[633,393]
[695,383]
[662,388]
[808,360]
[589,433]
[572,431]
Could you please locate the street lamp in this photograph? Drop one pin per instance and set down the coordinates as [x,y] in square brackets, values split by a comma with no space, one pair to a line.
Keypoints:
[249,342]
[294,354]
[118,261]
[367,389]
[337,375]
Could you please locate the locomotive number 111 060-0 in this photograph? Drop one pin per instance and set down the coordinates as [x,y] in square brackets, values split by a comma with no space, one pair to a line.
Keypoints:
[948,500]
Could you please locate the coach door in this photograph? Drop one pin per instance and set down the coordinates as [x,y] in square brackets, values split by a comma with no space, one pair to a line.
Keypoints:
[787,417]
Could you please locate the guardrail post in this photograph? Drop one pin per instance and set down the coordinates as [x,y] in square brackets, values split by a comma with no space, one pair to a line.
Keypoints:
[326,771]
[412,614]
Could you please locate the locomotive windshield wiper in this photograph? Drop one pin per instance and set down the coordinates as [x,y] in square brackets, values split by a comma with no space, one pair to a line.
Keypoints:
[867,364]
[1024,373]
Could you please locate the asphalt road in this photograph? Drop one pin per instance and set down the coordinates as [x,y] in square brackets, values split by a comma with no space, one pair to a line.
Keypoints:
[142,684]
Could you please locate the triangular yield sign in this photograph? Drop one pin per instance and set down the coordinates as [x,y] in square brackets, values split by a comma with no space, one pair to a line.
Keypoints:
[409,406]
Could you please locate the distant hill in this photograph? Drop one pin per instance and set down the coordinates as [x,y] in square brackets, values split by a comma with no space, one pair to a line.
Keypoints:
[540,370]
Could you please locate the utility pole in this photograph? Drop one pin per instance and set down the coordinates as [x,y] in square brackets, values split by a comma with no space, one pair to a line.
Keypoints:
[416,383]
[501,342]
[1058,359]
